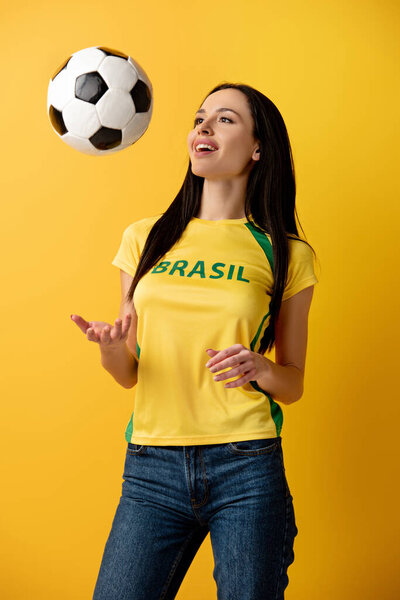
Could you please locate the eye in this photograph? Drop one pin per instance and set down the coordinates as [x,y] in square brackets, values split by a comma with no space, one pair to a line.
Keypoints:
[199,118]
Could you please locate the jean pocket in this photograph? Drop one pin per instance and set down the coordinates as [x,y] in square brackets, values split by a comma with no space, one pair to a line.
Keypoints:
[134,449]
[254,447]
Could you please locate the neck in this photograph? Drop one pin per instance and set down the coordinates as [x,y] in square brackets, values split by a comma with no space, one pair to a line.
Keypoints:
[223,199]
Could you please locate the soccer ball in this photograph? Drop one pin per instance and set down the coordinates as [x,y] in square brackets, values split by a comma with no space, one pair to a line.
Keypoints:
[100,101]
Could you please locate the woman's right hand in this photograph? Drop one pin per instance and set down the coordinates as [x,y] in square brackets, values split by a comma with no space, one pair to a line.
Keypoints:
[104,334]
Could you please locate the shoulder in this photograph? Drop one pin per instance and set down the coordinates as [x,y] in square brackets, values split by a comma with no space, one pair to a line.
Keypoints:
[299,249]
[141,226]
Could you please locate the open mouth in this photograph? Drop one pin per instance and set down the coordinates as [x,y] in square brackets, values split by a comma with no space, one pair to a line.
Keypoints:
[203,151]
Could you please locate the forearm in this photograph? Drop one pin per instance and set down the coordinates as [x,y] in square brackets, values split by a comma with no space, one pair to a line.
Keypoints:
[283,382]
[121,364]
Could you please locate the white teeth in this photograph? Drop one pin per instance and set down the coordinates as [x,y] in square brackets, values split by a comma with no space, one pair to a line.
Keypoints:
[205,146]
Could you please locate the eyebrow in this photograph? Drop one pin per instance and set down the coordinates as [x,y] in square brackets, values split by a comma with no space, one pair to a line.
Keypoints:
[202,110]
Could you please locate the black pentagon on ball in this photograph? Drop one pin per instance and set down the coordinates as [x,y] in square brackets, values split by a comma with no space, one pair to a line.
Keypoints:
[90,87]
[141,96]
[56,119]
[106,138]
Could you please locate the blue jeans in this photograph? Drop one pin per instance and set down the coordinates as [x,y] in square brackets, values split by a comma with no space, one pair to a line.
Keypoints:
[172,496]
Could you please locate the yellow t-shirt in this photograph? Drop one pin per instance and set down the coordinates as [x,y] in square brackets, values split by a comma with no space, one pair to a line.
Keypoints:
[210,290]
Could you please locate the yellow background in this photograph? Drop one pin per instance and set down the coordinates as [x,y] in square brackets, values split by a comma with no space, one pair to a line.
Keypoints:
[332,70]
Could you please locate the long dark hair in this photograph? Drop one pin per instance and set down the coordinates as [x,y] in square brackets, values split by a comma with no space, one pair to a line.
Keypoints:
[269,203]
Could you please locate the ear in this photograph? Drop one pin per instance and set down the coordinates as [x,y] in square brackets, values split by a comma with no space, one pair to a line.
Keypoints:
[256,154]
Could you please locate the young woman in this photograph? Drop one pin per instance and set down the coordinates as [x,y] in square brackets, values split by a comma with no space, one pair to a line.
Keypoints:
[208,287]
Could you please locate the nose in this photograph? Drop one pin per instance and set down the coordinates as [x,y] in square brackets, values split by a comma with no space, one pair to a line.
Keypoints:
[203,127]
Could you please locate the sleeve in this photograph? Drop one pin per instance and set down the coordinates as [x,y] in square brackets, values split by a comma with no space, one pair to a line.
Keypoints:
[128,253]
[300,269]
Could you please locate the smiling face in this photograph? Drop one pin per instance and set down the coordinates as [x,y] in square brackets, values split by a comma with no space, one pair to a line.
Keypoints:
[230,131]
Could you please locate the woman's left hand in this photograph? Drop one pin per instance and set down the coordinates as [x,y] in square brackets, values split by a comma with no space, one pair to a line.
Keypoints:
[242,360]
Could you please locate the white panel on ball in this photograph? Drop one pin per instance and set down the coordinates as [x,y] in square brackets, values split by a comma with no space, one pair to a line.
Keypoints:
[135,128]
[61,90]
[118,73]
[115,108]
[85,61]
[81,118]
